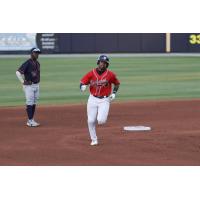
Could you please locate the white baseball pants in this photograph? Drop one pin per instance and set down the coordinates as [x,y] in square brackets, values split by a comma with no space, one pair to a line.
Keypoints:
[97,110]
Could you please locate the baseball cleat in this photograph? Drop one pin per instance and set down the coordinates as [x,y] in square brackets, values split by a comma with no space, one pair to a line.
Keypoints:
[94,143]
[28,123]
[32,123]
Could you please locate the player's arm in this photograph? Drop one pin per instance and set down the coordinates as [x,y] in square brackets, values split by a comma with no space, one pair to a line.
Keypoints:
[20,76]
[116,83]
[20,72]
[116,88]
[83,87]
[85,81]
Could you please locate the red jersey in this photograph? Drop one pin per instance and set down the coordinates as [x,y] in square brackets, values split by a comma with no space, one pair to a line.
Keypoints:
[100,85]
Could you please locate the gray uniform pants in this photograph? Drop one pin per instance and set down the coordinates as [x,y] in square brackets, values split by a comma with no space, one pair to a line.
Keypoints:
[31,93]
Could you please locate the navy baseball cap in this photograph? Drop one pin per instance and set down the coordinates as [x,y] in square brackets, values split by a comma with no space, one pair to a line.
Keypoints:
[36,50]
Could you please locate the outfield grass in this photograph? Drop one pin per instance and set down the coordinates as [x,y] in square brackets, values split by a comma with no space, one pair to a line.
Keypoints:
[142,78]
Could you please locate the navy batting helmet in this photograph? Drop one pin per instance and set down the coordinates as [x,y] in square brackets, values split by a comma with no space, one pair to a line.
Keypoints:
[103,58]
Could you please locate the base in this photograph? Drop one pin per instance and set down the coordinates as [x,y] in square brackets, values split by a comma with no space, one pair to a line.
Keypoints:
[137,128]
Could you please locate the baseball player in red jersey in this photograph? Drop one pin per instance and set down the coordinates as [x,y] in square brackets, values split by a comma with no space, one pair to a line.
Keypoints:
[100,81]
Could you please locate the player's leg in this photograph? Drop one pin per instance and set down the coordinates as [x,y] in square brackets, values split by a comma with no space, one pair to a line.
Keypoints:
[103,110]
[92,115]
[36,97]
[29,94]
[33,109]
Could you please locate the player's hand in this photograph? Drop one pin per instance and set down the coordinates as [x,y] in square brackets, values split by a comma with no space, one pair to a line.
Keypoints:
[83,88]
[112,96]
[27,82]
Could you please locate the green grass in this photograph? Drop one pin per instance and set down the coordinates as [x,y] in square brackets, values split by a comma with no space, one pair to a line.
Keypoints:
[142,78]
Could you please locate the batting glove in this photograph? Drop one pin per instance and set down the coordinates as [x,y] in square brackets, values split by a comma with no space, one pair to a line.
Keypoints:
[112,96]
[83,88]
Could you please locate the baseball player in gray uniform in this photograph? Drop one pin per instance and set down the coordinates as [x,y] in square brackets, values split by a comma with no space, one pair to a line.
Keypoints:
[29,75]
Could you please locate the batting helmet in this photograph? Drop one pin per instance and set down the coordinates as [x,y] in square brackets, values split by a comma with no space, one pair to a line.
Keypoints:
[103,58]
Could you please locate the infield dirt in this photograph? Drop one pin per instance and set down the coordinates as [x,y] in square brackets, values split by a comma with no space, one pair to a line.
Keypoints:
[63,139]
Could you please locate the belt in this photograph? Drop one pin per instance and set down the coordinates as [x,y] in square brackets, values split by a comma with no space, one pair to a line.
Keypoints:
[30,82]
[101,97]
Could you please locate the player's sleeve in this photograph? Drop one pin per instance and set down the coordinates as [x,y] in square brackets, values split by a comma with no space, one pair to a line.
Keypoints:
[20,76]
[115,80]
[86,78]
[23,67]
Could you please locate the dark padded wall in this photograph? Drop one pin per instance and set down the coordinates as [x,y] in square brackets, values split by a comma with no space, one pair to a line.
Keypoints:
[180,42]
[114,43]
[65,42]
[153,42]
[129,42]
[106,42]
[82,43]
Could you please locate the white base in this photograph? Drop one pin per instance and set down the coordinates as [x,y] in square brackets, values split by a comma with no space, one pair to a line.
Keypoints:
[137,128]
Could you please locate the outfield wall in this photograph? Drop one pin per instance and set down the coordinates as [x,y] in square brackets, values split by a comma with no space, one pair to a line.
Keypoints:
[73,43]
[185,42]
[104,42]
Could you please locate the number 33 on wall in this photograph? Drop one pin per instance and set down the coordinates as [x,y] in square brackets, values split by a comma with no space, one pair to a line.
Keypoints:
[194,39]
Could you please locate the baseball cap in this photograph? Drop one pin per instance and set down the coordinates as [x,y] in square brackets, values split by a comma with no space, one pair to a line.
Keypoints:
[36,50]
